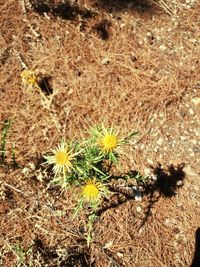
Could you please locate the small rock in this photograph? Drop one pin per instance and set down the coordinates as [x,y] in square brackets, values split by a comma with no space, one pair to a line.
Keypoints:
[70,92]
[162,47]
[77,73]
[167,221]
[122,25]
[108,244]
[194,142]
[120,255]
[161,114]
[105,61]
[138,209]
[183,138]
[179,183]
[150,161]
[141,230]
[160,141]
[191,111]
[149,34]
[154,177]
[196,101]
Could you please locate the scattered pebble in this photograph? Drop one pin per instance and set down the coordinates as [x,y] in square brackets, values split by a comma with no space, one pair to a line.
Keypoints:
[120,255]
[150,161]
[167,221]
[160,141]
[105,61]
[179,183]
[138,209]
[196,101]
[191,111]
[162,47]
[108,244]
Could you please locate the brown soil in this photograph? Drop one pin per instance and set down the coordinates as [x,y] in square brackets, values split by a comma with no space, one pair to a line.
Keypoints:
[124,63]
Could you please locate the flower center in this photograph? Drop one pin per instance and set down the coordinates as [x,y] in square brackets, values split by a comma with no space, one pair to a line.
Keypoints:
[91,192]
[31,80]
[62,158]
[109,142]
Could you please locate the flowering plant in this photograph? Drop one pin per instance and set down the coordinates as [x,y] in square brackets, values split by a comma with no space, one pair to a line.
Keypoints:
[87,164]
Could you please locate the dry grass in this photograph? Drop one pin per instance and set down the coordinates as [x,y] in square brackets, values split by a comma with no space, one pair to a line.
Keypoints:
[148,64]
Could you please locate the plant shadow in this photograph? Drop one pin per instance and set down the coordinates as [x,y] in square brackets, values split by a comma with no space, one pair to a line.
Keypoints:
[70,10]
[141,6]
[65,9]
[196,258]
[74,256]
[45,85]
[165,184]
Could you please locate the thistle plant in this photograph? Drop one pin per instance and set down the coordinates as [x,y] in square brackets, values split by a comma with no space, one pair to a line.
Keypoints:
[86,164]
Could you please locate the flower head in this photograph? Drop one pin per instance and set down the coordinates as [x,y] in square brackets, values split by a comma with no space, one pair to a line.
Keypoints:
[92,190]
[108,140]
[29,78]
[62,158]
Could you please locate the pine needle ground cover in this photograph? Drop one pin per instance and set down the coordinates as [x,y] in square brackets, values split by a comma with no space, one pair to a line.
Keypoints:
[100,119]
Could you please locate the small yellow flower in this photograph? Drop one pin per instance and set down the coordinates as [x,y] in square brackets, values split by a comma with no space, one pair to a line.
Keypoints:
[108,142]
[29,78]
[61,158]
[92,191]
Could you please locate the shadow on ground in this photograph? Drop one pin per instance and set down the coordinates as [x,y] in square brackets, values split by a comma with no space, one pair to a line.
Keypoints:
[164,184]
[132,5]
[72,257]
[69,10]
[196,259]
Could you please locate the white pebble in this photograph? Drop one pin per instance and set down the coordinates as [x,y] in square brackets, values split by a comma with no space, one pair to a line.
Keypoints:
[162,47]
[138,209]
[160,141]
[150,161]
[191,111]
[105,61]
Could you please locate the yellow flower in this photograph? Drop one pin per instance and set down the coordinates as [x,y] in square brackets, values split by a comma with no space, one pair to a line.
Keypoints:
[108,143]
[61,158]
[92,191]
[108,140]
[29,78]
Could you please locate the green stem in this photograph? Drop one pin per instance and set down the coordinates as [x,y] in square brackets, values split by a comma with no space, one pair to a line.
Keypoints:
[6,126]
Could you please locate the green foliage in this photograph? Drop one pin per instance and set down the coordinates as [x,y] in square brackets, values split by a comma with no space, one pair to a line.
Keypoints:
[6,126]
[20,253]
[87,164]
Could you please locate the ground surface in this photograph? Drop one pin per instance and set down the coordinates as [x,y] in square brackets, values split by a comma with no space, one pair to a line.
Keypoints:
[131,64]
